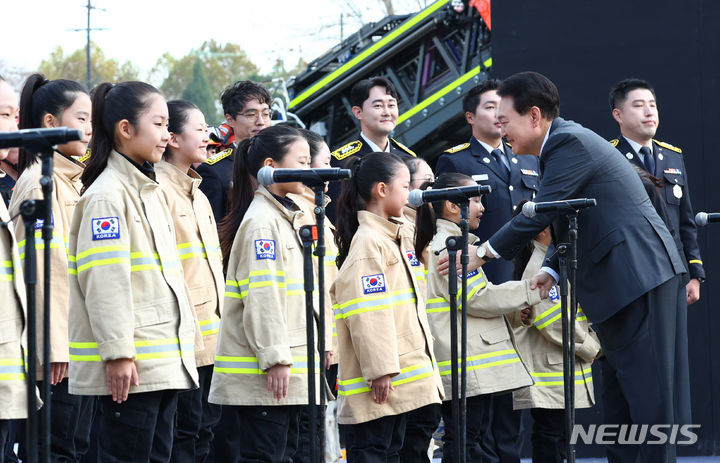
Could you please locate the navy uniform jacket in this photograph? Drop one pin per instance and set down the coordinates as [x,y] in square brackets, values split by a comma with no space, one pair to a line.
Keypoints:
[341,155]
[216,173]
[624,248]
[474,160]
[670,167]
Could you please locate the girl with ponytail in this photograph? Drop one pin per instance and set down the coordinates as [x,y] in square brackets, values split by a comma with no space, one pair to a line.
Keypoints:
[47,104]
[131,328]
[199,249]
[386,362]
[493,363]
[260,373]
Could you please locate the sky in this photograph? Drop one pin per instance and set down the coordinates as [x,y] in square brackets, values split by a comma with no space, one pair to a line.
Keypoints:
[142,30]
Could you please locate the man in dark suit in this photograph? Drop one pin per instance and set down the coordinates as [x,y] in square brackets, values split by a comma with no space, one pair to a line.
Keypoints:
[490,161]
[247,111]
[629,269]
[374,105]
[634,108]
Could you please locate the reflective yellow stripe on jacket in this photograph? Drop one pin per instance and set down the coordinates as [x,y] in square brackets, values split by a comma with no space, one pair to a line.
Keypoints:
[211,326]
[250,366]
[144,350]
[476,362]
[110,255]
[6,270]
[556,378]
[377,301]
[407,375]
[58,241]
[12,369]
[553,314]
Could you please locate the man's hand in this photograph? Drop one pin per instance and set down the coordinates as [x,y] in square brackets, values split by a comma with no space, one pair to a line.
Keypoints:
[692,291]
[474,262]
[544,281]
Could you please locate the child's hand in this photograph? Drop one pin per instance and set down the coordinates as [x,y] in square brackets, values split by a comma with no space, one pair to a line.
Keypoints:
[121,373]
[381,388]
[328,359]
[279,381]
[525,314]
[57,372]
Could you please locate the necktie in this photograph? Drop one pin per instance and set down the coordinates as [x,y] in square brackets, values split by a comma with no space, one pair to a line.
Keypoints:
[649,159]
[501,158]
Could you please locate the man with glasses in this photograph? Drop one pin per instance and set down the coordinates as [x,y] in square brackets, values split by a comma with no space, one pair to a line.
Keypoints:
[491,161]
[8,123]
[374,104]
[247,111]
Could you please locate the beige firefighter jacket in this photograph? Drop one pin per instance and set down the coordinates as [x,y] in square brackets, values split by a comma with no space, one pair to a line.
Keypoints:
[416,259]
[65,195]
[198,246]
[13,335]
[264,312]
[127,292]
[540,346]
[381,325]
[493,363]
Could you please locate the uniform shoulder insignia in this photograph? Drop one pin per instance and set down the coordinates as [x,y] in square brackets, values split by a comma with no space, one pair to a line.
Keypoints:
[614,142]
[457,148]
[84,157]
[347,150]
[404,148]
[214,159]
[668,146]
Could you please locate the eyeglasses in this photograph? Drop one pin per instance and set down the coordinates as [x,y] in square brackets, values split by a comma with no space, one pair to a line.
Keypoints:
[424,178]
[254,114]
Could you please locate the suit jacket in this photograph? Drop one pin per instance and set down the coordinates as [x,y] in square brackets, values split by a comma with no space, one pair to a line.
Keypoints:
[474,160]
[624,248]
[340,156]
[670,167]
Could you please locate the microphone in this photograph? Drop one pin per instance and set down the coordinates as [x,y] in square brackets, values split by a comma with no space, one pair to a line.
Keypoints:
[31,138]
[454,194]
[311,177]
[530,209]
[704,218]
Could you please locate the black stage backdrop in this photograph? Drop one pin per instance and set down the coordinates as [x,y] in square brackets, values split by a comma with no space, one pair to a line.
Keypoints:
[585,47]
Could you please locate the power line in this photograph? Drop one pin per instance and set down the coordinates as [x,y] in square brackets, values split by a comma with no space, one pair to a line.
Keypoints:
[87,29]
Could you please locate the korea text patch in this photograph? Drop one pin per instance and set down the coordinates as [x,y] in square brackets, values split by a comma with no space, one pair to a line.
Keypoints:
[265,249]
[373,283]
[105,228]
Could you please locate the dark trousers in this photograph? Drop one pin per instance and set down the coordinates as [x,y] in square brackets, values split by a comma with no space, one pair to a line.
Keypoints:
[139,429]
[645,378]
[420,425]
[502,442]
[194,422]
[303,451]
[4,438]
[548,435]
[477,411]
[376,441]
[71,417]
[267,434]
[8,448]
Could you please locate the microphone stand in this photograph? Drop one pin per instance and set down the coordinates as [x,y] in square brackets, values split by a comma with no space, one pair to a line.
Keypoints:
[319,211]
[308,235]
[32,210]
[459,404]
[568,266]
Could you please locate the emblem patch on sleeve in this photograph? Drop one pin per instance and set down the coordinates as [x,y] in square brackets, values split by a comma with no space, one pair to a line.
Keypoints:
[412,257]
[469,275]
[265,249]
[373,283]
[105,228]
[41,222]
[554,294]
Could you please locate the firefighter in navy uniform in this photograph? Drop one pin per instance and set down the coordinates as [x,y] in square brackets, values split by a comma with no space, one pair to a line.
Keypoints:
[374,104]
[246,105]
[490,161]
[635,109]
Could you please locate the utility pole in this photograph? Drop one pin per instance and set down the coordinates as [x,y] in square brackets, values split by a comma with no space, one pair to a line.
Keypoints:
[87,29]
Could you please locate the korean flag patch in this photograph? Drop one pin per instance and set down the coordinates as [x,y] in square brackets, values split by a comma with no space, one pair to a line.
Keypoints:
[41,222]
[412,257]
[373,283]
[554,294]
[265,249]
[105,228]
